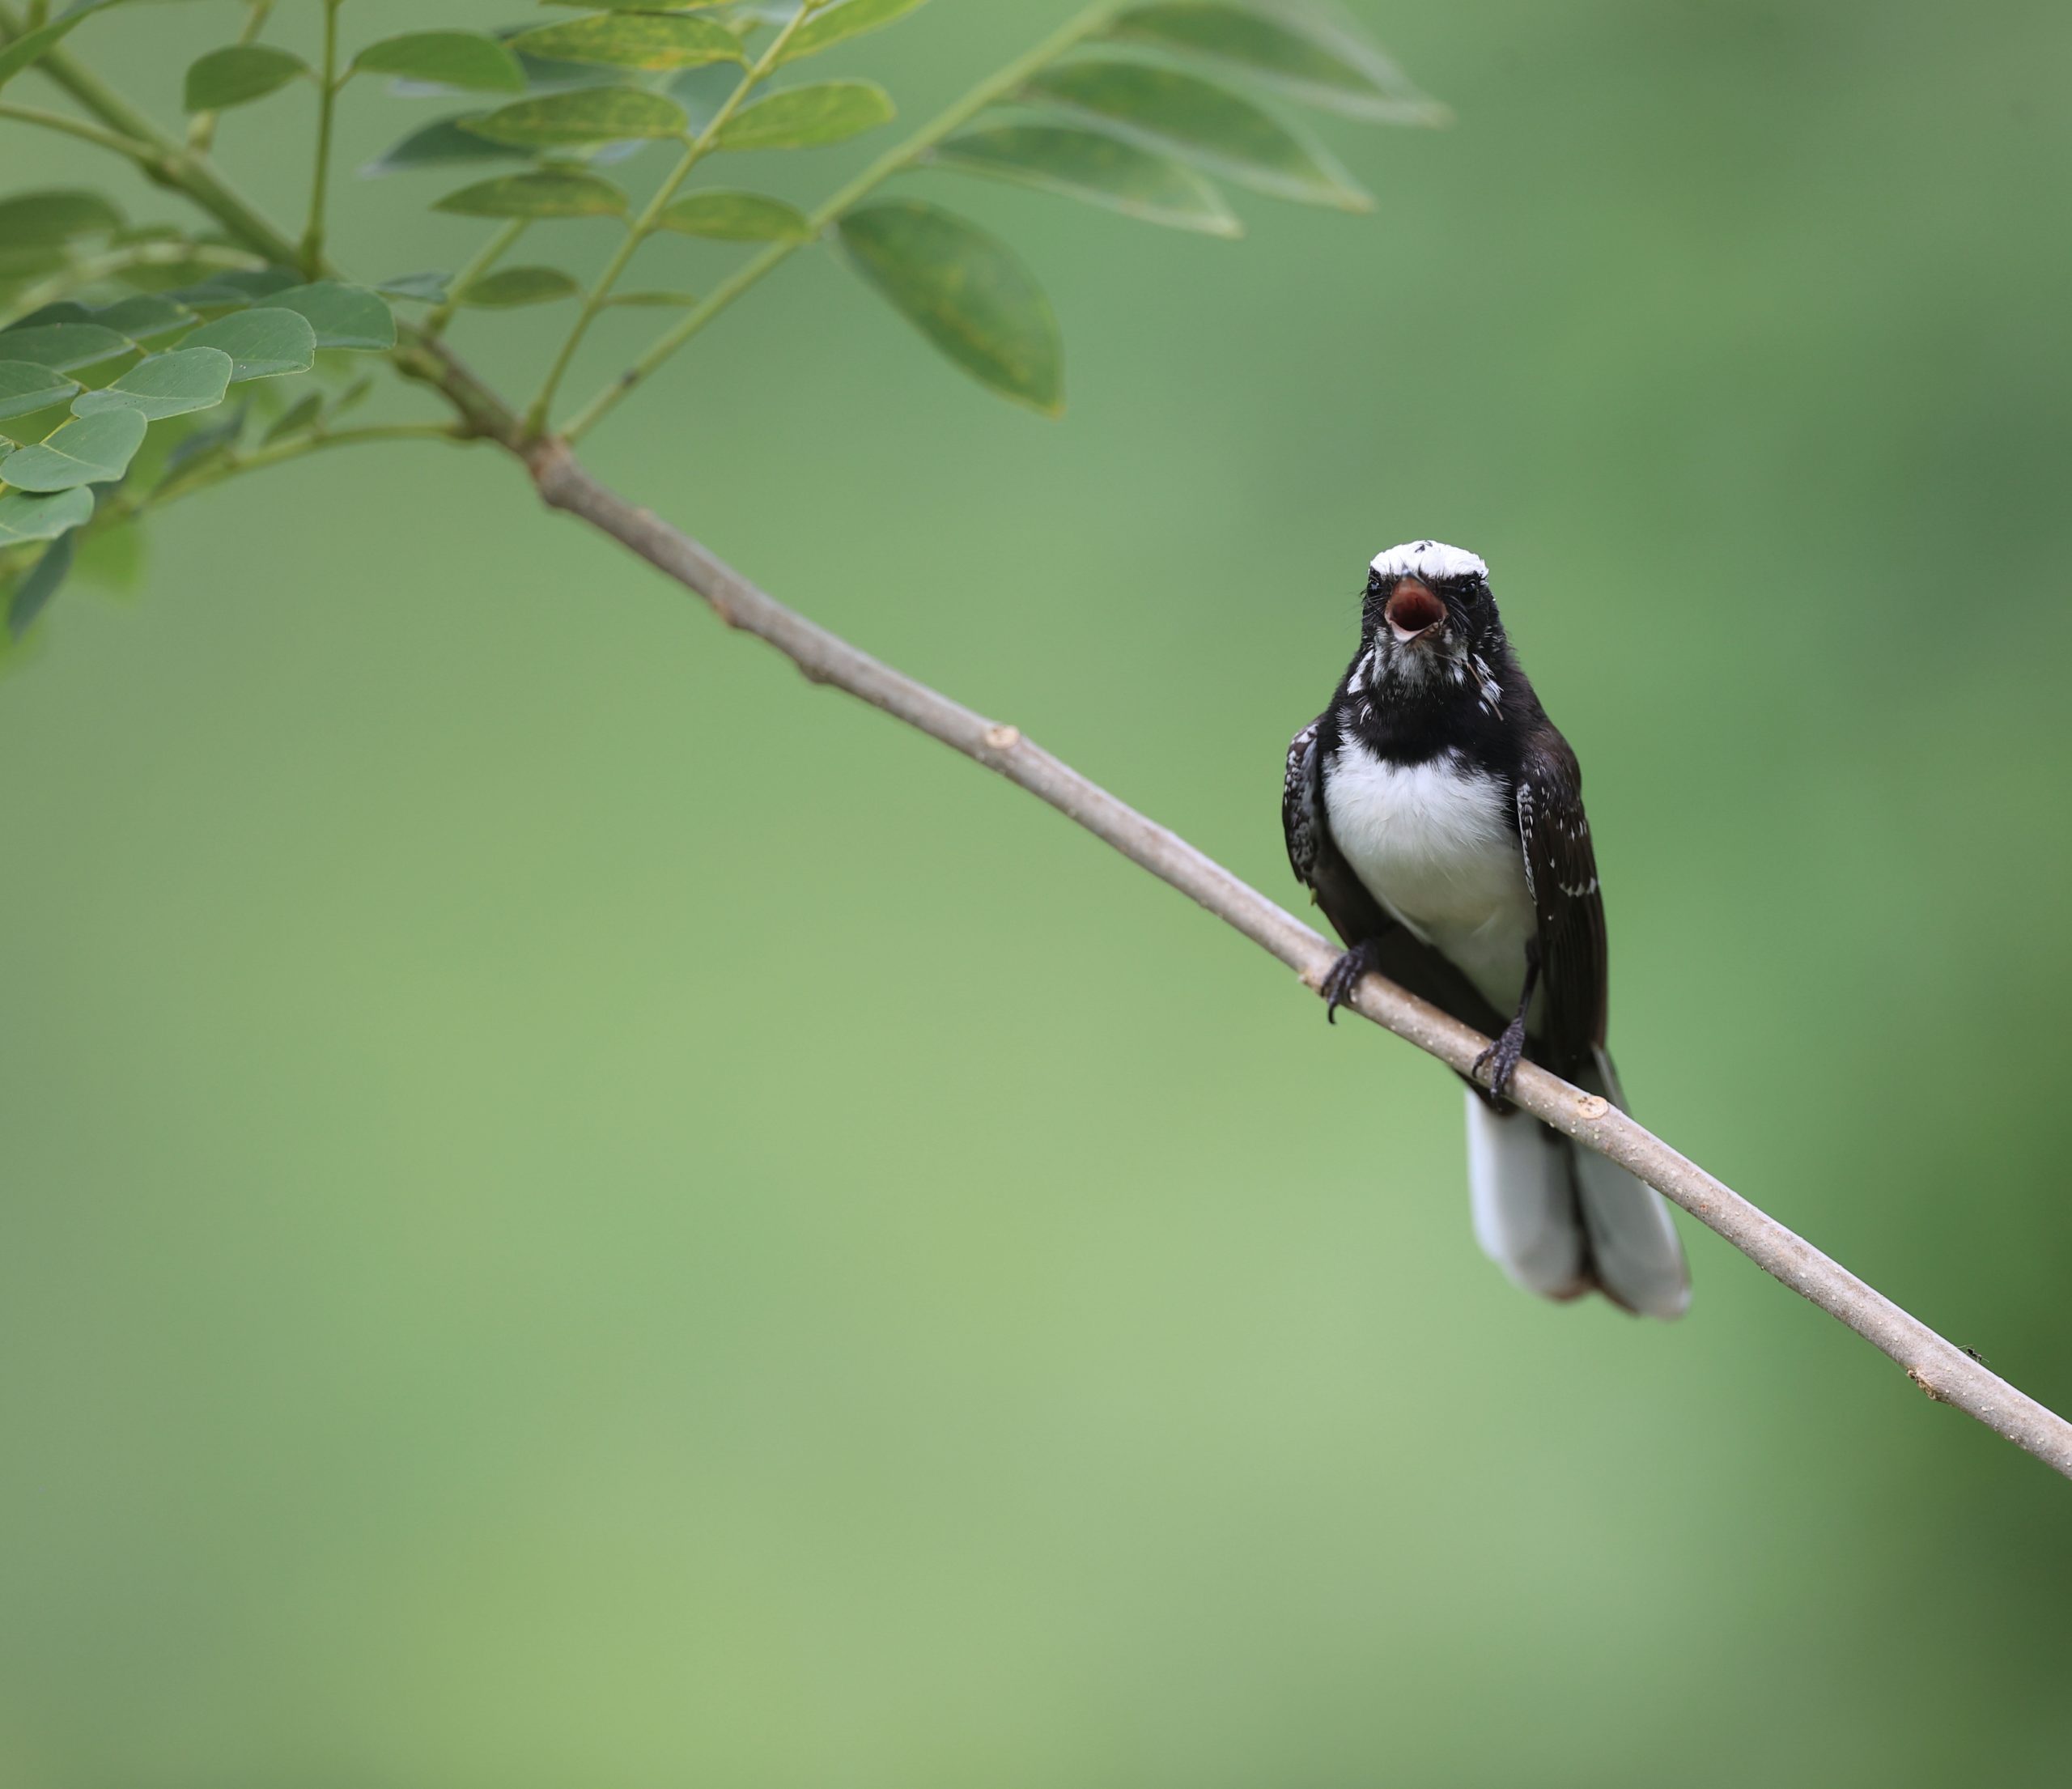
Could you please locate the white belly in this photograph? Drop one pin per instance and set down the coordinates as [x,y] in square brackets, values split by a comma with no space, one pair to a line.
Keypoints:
[1437,845]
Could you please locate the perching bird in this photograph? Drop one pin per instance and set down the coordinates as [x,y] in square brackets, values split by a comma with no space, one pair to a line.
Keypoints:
[1437,814]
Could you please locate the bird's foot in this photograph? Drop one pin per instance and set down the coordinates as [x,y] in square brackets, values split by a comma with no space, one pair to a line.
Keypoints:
[1343,975]
[1501,1058]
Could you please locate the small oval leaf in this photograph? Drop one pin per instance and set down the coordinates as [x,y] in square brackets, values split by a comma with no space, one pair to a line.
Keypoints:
[808,117]
[1208,124]
[583,115]
[511,287]
[164,384]
[727,216]
[1094,166]
[968,294]
[469,60]
[341,316]
[297,417]
[239,74]
[546,193]
[428,288]
[263,343]
[656,300]
[838,24]
[445,142]
[633,40]
[26,388]
[1307,55]
[88,450]
[24,517]
[61,346]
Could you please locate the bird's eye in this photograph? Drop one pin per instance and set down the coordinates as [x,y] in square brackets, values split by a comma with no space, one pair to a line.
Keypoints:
[1374,582]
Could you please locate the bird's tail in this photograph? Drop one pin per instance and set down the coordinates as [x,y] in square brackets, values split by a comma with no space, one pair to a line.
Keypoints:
[1562,1221]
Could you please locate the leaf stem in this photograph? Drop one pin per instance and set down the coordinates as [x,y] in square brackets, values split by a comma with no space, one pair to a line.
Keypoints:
[231,464]
[989,92]
[644,227]
[77,127]
[327,103]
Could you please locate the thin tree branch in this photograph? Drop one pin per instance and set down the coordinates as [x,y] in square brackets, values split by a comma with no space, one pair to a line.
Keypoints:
[1945,1372]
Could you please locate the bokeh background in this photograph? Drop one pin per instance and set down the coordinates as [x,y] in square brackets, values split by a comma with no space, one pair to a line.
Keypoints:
[579,1210]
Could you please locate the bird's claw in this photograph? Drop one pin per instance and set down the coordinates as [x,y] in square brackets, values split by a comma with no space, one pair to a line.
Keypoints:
[1501,1060]
[1342,977]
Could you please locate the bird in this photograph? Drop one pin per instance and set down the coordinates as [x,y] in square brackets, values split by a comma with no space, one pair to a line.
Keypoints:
[1437,816]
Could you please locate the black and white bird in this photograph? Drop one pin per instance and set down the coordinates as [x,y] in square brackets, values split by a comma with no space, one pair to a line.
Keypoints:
[1437,815]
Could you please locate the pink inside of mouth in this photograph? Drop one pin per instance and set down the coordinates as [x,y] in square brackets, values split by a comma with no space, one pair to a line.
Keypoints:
[1412,608]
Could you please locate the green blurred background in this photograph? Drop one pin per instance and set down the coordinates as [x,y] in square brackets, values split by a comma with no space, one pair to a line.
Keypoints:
[581,1211]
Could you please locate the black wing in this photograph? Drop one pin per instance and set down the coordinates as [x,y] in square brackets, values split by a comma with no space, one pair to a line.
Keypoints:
[1560,867]
[1354,913]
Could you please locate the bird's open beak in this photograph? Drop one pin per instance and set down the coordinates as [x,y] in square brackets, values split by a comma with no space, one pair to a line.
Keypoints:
[1413,612]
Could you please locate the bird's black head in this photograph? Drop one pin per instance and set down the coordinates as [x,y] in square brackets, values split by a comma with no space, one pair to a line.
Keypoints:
[1430,626]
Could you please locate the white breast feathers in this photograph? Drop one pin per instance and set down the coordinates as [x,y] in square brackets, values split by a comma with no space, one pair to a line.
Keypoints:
[1436,843]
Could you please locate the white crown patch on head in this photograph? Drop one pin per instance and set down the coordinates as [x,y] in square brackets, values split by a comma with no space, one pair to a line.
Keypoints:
[1432,560]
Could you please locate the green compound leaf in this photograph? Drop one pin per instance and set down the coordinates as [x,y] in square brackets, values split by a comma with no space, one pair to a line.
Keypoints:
[628,40]
[88,450]
[42,220]
[1094,166]
[511,287]
[583,115]
[728,216]
[839,23]
[808,117]
[342,315]
[61,346]
[26,388]
[547,192]
[968,294]
[1224,132]
[239,74]
[263,343]
[24,517]
[166,385]
[1297,50]
[469,60]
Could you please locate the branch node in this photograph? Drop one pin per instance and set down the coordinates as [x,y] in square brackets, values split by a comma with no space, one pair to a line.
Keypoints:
[1921,1385]
[1592,1106]
[1003,738]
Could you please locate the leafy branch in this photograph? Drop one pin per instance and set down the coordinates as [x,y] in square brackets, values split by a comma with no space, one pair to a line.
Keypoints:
[1112,110]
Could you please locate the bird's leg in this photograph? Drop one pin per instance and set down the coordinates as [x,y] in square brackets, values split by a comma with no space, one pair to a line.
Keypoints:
[1501,1057]
[1339,980]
